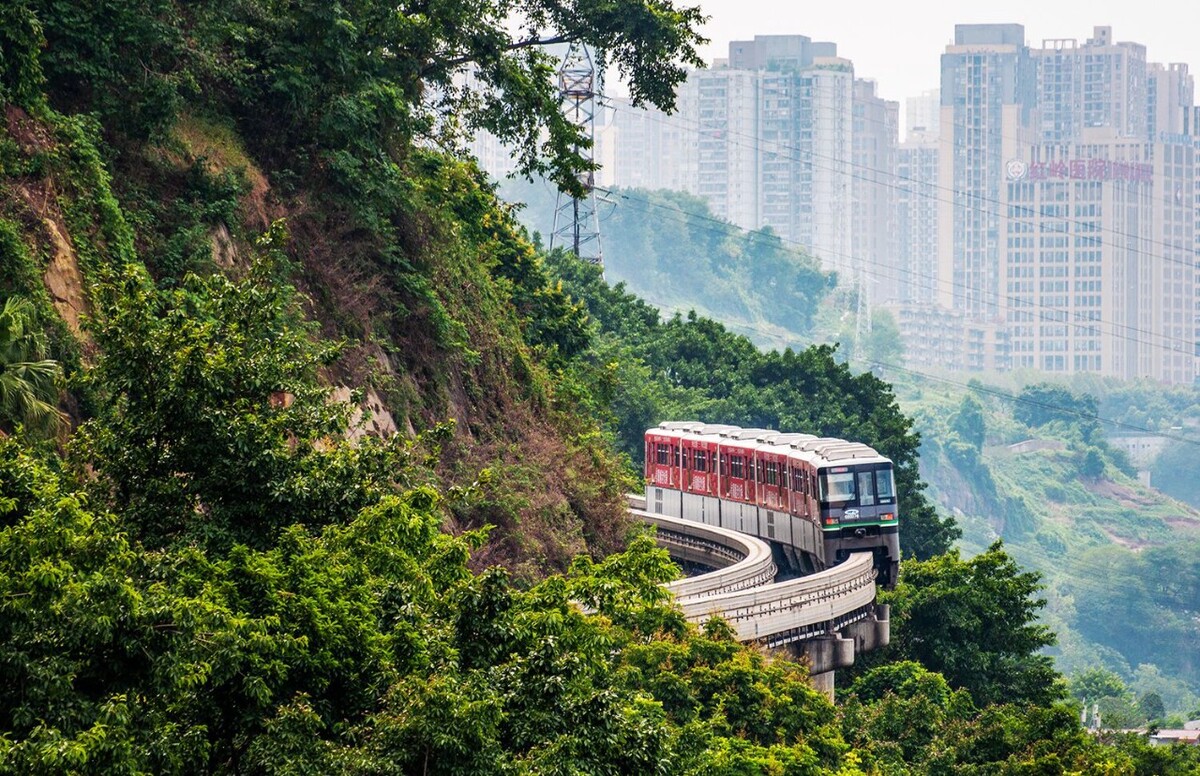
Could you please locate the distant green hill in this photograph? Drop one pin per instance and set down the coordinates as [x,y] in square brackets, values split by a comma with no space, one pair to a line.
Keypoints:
[1118,557]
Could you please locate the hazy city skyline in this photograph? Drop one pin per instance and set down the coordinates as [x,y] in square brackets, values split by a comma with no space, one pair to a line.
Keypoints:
[899,45]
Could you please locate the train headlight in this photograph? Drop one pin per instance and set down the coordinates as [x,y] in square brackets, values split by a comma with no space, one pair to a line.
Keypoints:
[888,516]
[831,521]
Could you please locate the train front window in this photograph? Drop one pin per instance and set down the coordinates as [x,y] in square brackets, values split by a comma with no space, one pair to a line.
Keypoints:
[884,485]
[866,492]
[837,487]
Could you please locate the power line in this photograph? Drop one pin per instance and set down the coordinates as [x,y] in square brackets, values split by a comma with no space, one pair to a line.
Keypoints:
[698,127]
[726,227]
[1017,302]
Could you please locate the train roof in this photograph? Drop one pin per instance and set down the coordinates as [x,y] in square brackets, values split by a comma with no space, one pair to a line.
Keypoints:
[820,451]
[747,434]
[784,440]
[715,429]
[680,425]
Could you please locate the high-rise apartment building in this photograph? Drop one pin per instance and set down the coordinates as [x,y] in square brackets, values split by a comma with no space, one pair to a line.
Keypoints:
[647,148]
[804,142]
[1100,245]
[1170,91]
[1070,202]
[727,164]
[827,157]
[987,98]
[778,52]
[922,117]
[917,196]
[875,191]
[777,135]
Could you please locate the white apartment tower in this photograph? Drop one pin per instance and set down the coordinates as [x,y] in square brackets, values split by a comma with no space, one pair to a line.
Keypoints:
[917,196]
[922,117]
[875,188]
[646,148]
[727,170]
[987,98]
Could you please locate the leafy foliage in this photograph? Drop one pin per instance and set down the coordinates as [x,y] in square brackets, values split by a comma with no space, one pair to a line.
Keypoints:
[975,622]
[346,82]
[29,382]
[217,579]
[20,65]
[213,425]
[1045,402]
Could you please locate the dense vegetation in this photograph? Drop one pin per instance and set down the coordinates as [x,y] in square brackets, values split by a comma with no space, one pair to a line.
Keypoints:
[333,489]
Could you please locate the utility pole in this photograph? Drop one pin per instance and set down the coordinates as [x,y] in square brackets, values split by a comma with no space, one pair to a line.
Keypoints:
[577,219]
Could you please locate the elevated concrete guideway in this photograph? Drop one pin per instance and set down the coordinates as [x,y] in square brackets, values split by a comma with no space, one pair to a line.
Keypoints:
[825,618]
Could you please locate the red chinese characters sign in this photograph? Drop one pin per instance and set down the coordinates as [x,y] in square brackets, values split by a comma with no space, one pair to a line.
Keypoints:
[1091,170]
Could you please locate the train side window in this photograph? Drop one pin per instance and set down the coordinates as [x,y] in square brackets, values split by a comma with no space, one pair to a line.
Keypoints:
[701,463]
[866,491]
[735,466]
[783,476]
[772,473]
[661,455]
[675,455]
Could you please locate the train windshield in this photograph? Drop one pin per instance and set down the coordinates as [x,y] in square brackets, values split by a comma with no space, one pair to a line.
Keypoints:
[837,487]
[885,486]
[863,486]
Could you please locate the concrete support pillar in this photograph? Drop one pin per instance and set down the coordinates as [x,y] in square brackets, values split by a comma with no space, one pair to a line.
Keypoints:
[825,653]
[823,683]
[872,633]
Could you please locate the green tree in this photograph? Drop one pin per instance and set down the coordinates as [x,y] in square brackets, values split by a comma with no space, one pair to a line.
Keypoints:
[1176,472]
[212,424]
[969,423]
[975,622]
[1151,707]
[350,84]
[20,65]
[1092,466]
[1093,684]
[1042,403]
[29,382]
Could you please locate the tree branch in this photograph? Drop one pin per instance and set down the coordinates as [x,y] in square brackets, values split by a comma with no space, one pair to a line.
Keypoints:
[521,44]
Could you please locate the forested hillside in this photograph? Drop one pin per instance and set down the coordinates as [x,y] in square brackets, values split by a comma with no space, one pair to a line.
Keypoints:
[674,253]
[310,461]
[1033,466]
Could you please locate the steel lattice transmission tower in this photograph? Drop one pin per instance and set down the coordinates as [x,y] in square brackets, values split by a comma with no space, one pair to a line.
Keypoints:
[576,219]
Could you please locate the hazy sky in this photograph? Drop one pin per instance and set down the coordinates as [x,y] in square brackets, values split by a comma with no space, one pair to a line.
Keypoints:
[898,44]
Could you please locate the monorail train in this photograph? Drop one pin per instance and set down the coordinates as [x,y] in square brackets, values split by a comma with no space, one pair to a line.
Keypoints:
[817,499]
